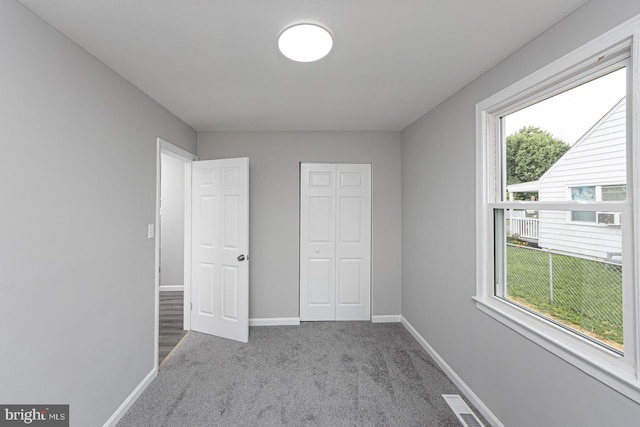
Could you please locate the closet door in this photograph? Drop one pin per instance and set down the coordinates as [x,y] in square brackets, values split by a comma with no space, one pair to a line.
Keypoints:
[335,242]
[353,242]
[317,242]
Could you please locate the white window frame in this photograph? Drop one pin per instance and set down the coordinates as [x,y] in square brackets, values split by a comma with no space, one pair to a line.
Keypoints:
[619,371]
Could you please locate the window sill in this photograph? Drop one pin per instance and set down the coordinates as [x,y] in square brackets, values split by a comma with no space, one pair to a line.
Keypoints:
[602,364]
[593,224]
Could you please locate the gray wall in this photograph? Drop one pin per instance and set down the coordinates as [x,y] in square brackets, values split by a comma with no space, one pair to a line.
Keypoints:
[172,222]
[520,382]
[274,159]
[77,181]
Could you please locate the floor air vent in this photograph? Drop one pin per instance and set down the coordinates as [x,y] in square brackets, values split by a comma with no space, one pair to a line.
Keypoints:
[462,410]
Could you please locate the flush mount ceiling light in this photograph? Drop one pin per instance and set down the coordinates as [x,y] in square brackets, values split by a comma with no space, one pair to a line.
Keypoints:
[305,42]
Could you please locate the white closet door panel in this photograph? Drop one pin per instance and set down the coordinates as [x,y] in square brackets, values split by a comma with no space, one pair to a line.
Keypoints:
[320,220]
[350,217]
[353,246]
[350,282]
[317,242]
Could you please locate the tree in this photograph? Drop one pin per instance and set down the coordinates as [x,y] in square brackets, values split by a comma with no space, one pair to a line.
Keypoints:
[530,153]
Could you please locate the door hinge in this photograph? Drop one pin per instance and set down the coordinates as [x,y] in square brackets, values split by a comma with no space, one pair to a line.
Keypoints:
[191,306]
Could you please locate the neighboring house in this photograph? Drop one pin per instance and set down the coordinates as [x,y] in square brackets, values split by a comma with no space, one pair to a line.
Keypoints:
[594,169]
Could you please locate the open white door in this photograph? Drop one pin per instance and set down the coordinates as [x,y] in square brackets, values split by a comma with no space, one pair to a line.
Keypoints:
[219,248]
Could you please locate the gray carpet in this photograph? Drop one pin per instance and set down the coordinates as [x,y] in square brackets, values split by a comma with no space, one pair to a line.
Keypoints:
[316,374]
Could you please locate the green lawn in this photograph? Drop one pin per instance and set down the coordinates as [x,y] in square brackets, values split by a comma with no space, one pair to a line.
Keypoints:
[585,293]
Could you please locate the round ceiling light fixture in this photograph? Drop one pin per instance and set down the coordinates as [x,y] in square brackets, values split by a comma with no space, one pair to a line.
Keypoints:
[305,42]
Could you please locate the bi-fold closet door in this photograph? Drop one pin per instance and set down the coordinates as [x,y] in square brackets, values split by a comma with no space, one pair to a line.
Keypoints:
[335,241]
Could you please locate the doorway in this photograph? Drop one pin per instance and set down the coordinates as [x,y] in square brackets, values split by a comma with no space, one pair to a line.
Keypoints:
[215,245]
[171,231]
[173,214]
[335,241]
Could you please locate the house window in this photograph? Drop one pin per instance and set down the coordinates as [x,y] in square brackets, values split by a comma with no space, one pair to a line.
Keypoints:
[614,193]
[604,193]
[573,290]
[583,194]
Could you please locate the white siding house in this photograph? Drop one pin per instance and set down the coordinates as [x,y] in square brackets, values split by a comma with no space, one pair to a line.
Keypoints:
[593,169]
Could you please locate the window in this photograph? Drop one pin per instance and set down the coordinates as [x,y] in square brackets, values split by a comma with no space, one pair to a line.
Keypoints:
[604,193]
[566,279]
[612,193]
[583,194]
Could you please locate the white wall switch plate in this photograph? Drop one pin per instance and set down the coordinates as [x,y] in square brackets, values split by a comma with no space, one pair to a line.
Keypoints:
[151,231]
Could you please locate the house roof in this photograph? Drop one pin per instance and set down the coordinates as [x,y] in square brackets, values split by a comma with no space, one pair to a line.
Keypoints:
[524,187]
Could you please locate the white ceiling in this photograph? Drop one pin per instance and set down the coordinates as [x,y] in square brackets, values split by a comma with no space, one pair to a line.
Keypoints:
[215,63]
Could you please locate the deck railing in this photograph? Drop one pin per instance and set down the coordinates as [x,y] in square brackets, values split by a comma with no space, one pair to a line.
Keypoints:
[525,227]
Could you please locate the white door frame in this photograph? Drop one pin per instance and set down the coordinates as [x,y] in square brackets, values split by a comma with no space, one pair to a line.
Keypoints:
[164,147]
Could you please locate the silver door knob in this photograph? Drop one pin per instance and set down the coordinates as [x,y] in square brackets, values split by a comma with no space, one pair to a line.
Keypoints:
[241,257]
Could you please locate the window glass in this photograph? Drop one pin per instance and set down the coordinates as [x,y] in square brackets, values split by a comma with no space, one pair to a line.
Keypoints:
[559,277]
[584,194]
[614,193]
[568,273]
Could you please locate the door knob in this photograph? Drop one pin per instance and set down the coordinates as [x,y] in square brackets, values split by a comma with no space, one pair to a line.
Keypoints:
[241,257]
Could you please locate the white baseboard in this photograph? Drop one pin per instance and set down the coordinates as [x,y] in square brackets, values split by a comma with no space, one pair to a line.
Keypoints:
[171,288]
[275,321]
[469,394]
[389,318]
[117,416]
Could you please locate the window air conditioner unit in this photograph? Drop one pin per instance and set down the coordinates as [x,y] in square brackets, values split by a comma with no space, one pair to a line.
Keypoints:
[609,218]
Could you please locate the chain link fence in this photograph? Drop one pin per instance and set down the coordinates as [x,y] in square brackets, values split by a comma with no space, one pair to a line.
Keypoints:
[584,294]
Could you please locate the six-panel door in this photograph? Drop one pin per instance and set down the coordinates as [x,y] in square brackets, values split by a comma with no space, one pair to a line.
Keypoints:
[220,241]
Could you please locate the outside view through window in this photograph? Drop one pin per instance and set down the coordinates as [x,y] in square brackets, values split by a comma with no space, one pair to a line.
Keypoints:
[566,265]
